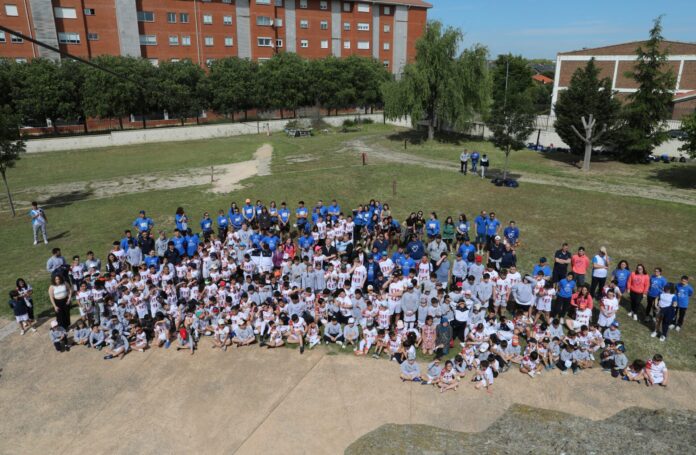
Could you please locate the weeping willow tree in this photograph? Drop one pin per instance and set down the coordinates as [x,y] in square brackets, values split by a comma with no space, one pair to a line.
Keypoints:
[443,87]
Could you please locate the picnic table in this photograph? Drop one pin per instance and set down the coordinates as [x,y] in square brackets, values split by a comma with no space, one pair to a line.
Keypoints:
[298,132]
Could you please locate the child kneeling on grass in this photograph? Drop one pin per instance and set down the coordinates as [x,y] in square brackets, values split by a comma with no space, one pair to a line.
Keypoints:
[59,337]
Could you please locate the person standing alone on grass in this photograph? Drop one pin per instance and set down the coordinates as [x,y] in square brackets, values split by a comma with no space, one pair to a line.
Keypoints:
[38,222]
[464,161]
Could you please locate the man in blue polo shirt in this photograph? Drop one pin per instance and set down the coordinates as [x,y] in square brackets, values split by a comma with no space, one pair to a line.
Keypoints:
[684,293]
[143,223]
[492,228]
[284,218]
[481,223]
[301,214]
[248,212]
[179,242]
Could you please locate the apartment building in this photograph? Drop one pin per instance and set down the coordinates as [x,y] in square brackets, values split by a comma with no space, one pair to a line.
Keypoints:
[205,30]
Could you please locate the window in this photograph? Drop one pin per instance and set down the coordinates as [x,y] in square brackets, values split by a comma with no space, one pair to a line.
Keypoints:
[304,23]
[64,13]
[303,4]
[171,18]
[174,60]
[346,45]
[153,61]
[278,22]
[229,41]
[364,45]
[263,2]
[264,20]
[363,8]
[324,25]
[3,39]
[69,38]
[148,40]
[93,37]
[146,16]
[323,5]
[387,10]
[11,10]
[304,43]
[346,7]
[363,27]
[208,40]
[16,39]
[386,46]
[324,44]
[227,20]
[386,63]
[207,19]
[173,40]
[21,60]
[209,61]
[387,28]
[264,42]
[185,40]
[279,3]
[89,11]
[279,43]
[346,26]
[227,1]
[183,18]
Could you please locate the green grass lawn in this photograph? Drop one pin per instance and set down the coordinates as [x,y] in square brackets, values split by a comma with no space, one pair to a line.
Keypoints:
[638,230]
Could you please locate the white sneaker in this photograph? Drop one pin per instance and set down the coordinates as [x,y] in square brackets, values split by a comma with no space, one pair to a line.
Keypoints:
[562,320]
[22,332]
[531,374]
[662,338]
[678,328]
[343,346]
[326,342]
[592,357]
[45,242]
[654,334]
[671,326]
[635,317]
[35,242]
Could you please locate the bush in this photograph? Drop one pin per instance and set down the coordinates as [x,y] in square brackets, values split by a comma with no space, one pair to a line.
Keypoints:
[348,123]
[367,121]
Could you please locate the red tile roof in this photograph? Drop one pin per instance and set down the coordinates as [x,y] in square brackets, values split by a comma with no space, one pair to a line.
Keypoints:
[543,79]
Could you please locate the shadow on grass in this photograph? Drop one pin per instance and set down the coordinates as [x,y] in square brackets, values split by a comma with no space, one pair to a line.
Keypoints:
[678,176]
[574,160]
[497,173]
[58,236]
[418,137]
[65,199]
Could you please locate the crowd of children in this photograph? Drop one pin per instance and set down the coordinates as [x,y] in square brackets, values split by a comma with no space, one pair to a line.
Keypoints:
[259,275]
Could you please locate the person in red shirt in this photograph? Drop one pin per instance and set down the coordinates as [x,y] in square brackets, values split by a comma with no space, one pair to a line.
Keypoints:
[582,299]
[579,263]
[638,285]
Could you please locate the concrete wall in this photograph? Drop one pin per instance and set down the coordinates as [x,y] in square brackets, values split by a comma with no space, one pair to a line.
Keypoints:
[185,133]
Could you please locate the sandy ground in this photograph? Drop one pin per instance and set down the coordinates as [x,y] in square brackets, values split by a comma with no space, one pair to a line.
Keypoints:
[226,178]
[659,193]
[253,400]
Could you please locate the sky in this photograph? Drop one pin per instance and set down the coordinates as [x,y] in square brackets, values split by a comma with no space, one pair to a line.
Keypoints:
[542,28]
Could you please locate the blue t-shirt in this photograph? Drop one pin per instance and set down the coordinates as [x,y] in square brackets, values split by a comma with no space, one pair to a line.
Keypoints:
[271,241]
[248,212]
[465,249]
[657,285]
[621,276]
[566,288]
[475,156]
[206,224]
[237,221]
[152,260]
[546,269]
[492,227]
[432,227]
[306,242]
[256,239]
[284,215]
[334,210]
[192,244]
[512,234]
[143,224]
[222,221]
[397,257]
[406,265]
[416,250]
[179,220]
[684,293]
[301,214]
[481,224]
[463,226]
[179,244]
[359,219]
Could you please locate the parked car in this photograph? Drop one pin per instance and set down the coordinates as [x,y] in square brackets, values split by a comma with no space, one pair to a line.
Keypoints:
[677,134]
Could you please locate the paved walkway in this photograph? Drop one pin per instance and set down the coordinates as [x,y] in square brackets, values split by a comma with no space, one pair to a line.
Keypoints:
[253,400]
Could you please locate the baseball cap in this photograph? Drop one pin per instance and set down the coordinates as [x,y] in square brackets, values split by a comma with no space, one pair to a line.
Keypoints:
[497,237]
[615,324]
[351,321]
[479,259]
[542,259]
[221,321]
[603,249]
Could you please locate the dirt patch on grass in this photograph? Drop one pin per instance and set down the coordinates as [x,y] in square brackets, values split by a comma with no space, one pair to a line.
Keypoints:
[223,178]
[300,159]
[654,192]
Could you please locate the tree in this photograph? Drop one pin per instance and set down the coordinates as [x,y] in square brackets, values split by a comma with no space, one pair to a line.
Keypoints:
[587,95]
[366,76]
[643,119]
[109,96]
[332,87]
[512,115]
[11,146]
[689,127]
[231,85]
[40,92]
[441,87]
[179,87]
[282,82]
[73,74]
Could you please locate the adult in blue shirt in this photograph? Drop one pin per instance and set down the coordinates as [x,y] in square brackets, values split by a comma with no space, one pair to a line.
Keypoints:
[207,226]
[334,210]
[657,286]
[621,275]
[125,241]
[223,224]
[415,248]
[258,208]
[512,234]
[236,219]
[481,223]
[271,241]
[566,287]
[398,255]
[542,266]
[192,241]
[179,242]
[152,260]
[468,251]
[432,227]
[301,214]
[248,212]
[407,263]
[284,218]
[180,219]
[305,243]
[143,223]
[684,293]
[492,228]
[256,238]
[321,209]
[474,161]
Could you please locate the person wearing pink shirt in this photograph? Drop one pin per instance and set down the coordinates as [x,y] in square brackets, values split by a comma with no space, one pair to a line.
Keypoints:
[579,263]
[638,285]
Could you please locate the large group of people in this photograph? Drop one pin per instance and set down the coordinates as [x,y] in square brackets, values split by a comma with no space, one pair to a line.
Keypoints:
[262,275]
